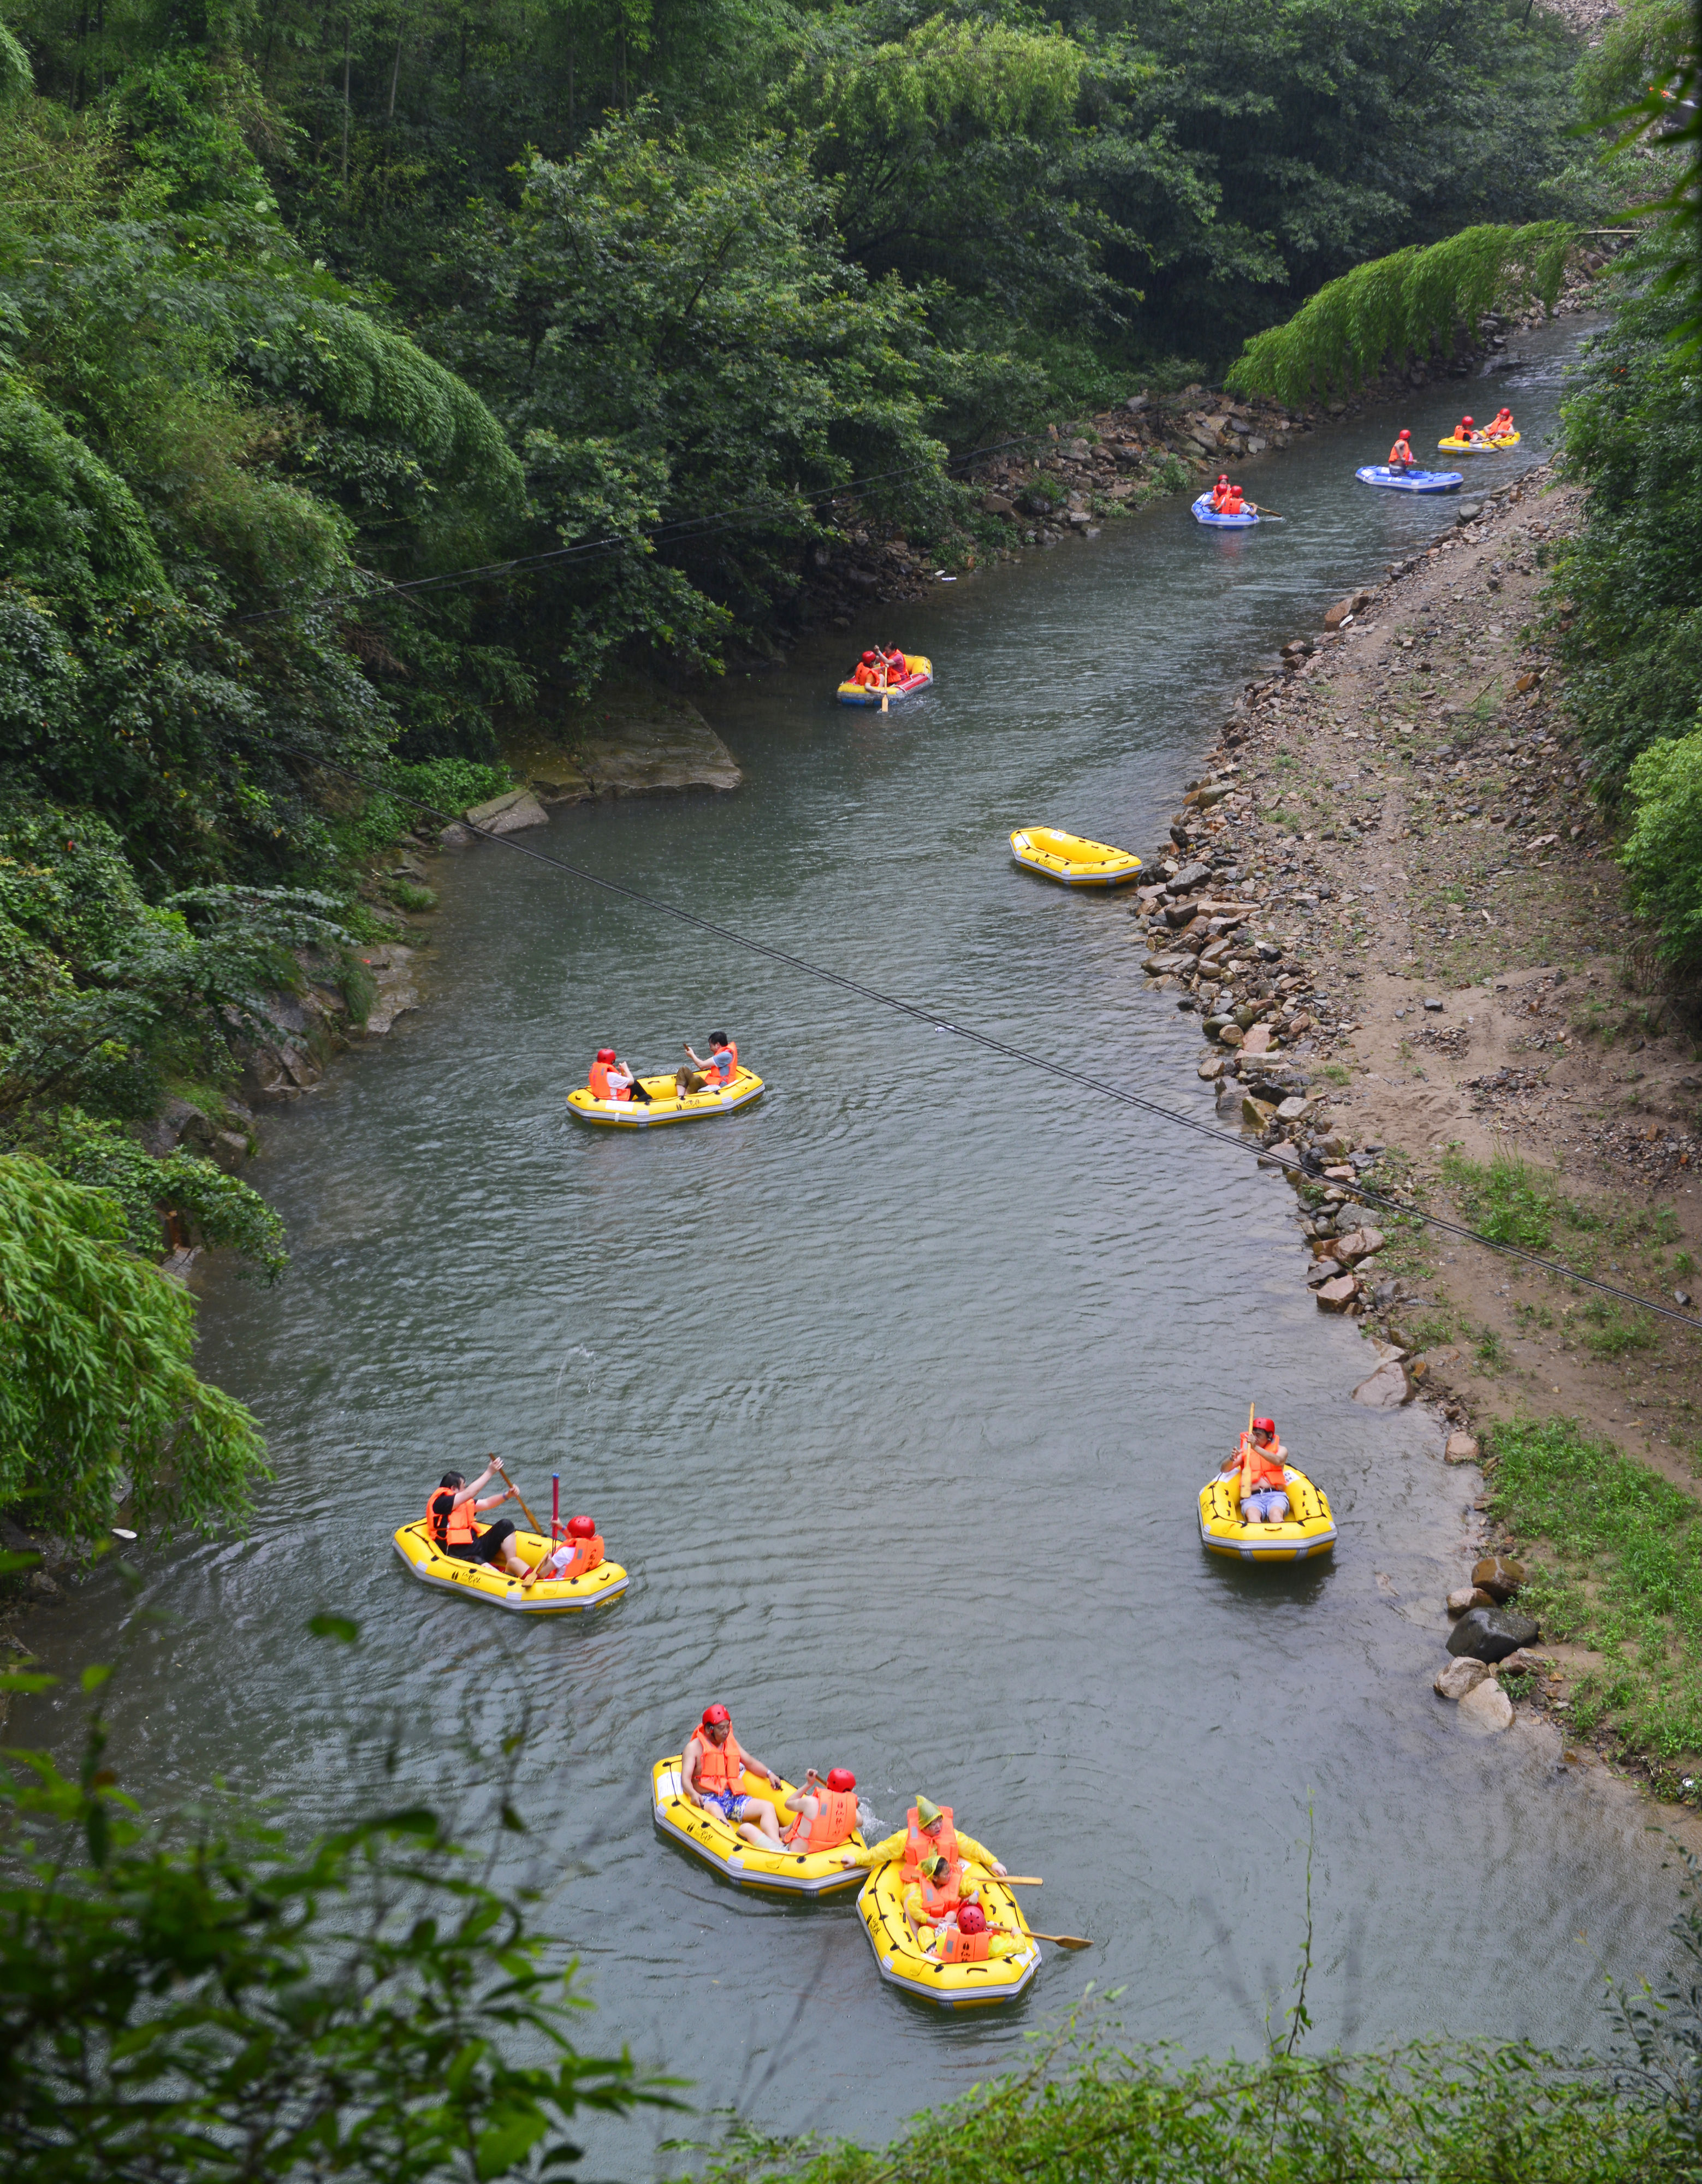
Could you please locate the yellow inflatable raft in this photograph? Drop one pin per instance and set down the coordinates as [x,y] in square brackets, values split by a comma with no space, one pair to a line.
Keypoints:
[953,1986]
[1309,1530]
[665,1104]
[479,1581]
[1480,447]
[1071,859]
[718,1843]
[919,673]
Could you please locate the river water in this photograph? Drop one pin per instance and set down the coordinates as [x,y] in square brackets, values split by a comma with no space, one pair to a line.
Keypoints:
[894,1392]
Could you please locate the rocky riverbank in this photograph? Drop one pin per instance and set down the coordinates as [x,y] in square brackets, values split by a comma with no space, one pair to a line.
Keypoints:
[1390,900]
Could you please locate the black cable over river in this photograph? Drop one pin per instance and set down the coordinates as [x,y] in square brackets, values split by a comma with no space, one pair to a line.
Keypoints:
[894,1391]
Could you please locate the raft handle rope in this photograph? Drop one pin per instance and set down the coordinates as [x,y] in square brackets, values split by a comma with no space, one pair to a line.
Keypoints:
[1361,1191]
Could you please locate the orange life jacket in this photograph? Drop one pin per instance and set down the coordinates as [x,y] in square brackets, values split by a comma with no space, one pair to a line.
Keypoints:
[956,1948]
[919,1844]
[587,1554]
[600,1087]
[835,1822]
[938,1903]
[1267,1469]
[720,1767]
[460,1527]
[865,675]
[1232,503]
[1401,453]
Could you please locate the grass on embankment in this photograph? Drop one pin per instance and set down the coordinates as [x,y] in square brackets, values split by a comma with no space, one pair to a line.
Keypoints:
[1621,1572]
[1430,2114]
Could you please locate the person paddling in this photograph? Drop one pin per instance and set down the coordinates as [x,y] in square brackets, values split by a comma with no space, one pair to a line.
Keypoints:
[827,1811]
[1262,1486]
[712,1775]
[1401,454]
[451,1515]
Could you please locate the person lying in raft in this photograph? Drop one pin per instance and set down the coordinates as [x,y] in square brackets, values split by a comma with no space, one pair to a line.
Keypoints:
[948,1921]
[715,1073]
[713,1773]
[1263,1490]
[611,1079]
[929,1831]
[450,1518]
[827,1811]
[1401,454]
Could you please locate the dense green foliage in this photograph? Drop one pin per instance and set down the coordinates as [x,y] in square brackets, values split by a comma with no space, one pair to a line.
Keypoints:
[1623,1574]
[198,2002]
[98,1398]
[1413,306]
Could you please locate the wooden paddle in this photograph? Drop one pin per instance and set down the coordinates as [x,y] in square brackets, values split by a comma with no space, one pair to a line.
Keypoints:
[1015,1880]
[1268,512]
[1064,1941]
[496,1462]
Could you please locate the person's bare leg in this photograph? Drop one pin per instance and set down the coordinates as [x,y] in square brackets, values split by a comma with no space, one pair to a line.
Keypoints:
[758,1824]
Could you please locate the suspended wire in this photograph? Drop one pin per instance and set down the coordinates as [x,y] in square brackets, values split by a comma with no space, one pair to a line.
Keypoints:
[683,530]
[1307,1164]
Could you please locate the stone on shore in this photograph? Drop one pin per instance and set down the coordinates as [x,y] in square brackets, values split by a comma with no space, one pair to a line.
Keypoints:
[1491,1633]
[1487,1708]
[1258,1040]
[1499,1577]
[1468,1595]
[1338,1295]
[1461,1449]
[1360,1245]
[1231,1035]
[1189,876]
[1212,1067]
[508,815]
[1455,1679]
[1386,1388]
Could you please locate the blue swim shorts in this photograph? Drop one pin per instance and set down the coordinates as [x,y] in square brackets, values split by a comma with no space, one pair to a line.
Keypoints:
[1264,1504]
[729,1807]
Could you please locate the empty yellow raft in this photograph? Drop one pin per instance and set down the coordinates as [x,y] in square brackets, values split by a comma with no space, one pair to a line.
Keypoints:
[1071,859]
[665,1104]
[572,1596]
[718,1843]
[1479,446]
[953,1986]
[1310,1529]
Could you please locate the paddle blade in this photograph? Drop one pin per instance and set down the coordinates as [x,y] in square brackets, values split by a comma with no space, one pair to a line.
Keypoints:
[1017,1879]
[1064,1941]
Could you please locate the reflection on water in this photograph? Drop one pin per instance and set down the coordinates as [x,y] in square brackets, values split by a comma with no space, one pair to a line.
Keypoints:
[894,1391]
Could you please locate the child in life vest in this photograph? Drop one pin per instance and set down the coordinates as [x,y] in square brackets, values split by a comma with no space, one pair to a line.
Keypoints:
[1262,1485]
[948,1921]
[580,1550]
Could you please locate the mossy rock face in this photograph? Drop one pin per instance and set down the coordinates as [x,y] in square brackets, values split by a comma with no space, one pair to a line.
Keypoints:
[635,738]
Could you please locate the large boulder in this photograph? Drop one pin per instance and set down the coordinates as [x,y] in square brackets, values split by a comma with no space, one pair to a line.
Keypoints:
[508,815]
[1386,1388]
[1491,1633]
[1499,1577]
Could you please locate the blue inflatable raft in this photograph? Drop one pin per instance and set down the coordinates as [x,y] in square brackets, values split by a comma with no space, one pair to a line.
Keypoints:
[1412,480]
[1203,514]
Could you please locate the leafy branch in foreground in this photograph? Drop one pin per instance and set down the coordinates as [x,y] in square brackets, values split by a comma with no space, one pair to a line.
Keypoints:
[98,1397]
[223,2010]
[1398,308]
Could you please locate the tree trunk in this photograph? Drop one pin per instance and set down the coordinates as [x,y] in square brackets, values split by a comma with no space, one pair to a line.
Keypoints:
[395,71]
[345,101]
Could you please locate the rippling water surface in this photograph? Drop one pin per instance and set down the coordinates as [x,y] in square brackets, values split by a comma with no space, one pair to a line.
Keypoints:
[894,1391]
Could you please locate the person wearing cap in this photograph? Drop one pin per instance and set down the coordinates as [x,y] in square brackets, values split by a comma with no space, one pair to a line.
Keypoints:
[1401,454]
[827,1811]
[937,1907]
[712,1776]
[1262,1483]
[931,1831]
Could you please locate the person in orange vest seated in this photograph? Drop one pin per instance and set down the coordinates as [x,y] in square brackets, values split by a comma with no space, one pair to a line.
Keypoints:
[451,1520]
[717,1073]
[1263,1490]
[828,1811]
[870,672]
[897,666]
[1220,494]
[1401,454]
[1501,426]
[580,1551]
[947,1918]
[713,1773]
[1467,430]
[611,1079]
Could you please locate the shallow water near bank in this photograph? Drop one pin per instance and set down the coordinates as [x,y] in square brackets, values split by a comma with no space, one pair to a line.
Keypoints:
[894,1392]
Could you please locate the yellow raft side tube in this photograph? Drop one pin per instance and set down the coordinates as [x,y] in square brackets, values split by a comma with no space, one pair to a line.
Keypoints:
[952,1986]
[1480,447]
[919,673]
[570,1595]
[1071,859]
[1310,1529]
[718,1843]
[665,1104]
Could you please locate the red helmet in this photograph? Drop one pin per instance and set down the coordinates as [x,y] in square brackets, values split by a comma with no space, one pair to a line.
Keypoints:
[868,659]
[971,1919]
[1264,1425]
[1222,477]
[1404,434]
[841,1778]
[605,1054]
[580,1528]
[713,1716]
[1465,421]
